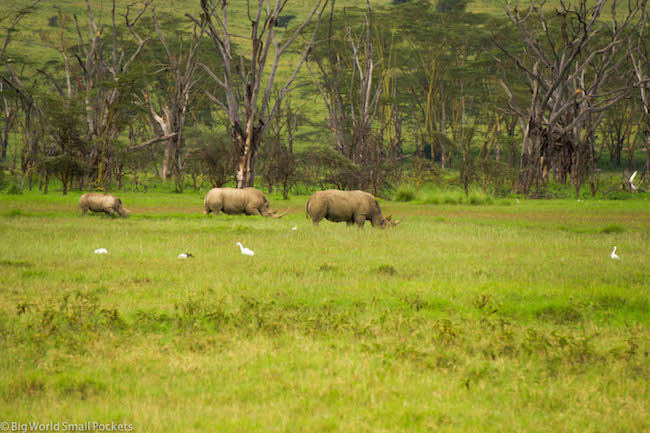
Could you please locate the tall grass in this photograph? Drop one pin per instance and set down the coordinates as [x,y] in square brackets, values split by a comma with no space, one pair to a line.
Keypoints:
[462,318]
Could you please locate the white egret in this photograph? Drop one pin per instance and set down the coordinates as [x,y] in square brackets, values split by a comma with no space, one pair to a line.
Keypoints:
[245,251]
[614,256]
[634,188]
[185,256]
[294,228]
[101,251]
[633,176]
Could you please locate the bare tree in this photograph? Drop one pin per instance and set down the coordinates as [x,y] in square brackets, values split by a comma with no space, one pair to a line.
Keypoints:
[569,60]
[13,80]
[100,78]
[247,102]
[180,72]
[9,116]
[640,56]
[359,110]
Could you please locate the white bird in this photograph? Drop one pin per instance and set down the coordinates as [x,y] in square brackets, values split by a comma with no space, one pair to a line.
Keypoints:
[184,255]
[614,256]
[517,200]
[245,251]
[294,228]
[101,251]
[634,188]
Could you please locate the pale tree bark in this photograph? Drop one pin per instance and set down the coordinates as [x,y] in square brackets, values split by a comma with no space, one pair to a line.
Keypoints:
[10,79]
[363,100]
[247,99]
[574,76]
[94,68]
[640,56]
[178,94]
[9,115]
[329,86]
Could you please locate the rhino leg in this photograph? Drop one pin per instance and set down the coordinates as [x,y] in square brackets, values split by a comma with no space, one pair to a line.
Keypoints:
[315,219]
[360,220]
[253,211]
[109,211]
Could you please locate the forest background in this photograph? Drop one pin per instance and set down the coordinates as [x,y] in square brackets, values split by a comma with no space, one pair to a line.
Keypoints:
[487,98]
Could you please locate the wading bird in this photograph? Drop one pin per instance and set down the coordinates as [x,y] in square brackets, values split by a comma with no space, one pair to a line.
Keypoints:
[184,256]
[634,188]
[101,251]
[614,256]
[245,251]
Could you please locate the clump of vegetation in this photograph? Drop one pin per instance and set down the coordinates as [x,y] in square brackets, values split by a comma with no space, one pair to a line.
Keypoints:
[13,190]
[405,193]
[612,228]
[387,270]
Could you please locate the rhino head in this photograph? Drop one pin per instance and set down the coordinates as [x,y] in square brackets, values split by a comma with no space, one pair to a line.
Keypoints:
[386,222]
[273,213]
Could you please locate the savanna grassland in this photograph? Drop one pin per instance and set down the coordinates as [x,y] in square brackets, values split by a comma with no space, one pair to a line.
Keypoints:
[494,318]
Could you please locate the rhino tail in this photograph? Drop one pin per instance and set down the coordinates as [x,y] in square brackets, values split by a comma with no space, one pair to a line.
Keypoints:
[307,209]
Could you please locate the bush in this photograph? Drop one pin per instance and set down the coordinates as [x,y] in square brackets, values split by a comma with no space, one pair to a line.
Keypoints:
[323,167]
[612,228]
[13,190]
[405,193]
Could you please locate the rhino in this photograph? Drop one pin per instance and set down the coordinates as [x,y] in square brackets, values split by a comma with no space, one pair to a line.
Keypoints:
[353,207]
[233,201]
[106,203]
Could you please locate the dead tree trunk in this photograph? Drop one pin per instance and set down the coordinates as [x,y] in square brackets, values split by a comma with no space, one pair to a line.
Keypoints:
[247,102]
[568,67]
[363,95]
[180,77]
[640,56]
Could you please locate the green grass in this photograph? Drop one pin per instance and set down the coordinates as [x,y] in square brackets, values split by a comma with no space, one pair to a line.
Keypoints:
[465,317]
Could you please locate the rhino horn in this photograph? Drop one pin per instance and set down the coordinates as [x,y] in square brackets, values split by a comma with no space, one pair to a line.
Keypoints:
[398,221]
[281,215]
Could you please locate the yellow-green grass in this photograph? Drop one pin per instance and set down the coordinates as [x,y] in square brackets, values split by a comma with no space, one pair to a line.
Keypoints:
[462,318]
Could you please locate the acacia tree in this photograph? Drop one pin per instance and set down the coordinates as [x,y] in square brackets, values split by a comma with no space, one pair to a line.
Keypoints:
[351,98]
[178,77]
[568,60]
[640,56]
[96,67]
[248,97]
[13,81]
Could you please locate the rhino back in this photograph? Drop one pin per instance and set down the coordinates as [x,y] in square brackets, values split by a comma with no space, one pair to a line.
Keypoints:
[97,202]
[230,200]
[342,205]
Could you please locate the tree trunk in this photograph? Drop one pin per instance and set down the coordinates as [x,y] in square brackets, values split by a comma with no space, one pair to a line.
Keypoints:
[647,145]
[245,164]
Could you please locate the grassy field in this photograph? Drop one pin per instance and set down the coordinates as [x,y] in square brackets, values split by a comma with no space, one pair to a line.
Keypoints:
[501,318]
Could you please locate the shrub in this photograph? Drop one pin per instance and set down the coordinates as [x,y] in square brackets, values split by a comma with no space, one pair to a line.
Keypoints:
[612,228]
[13,190]
[405,193]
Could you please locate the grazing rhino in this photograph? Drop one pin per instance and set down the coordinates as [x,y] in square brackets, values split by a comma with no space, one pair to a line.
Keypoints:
[349,206]
[102,203]
[233,201]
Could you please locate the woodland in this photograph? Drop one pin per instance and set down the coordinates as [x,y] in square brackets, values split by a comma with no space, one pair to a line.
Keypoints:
[514,98]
